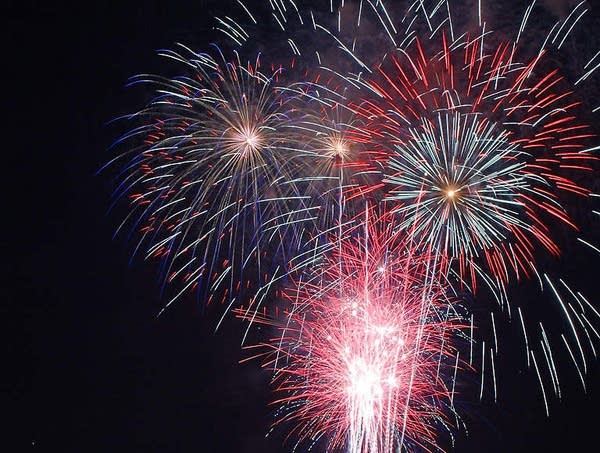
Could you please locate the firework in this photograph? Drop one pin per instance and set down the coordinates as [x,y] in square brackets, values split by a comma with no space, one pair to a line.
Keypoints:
[342,170]
[469,146]
[486,147]
[212,178]
[363,356]
[480,146]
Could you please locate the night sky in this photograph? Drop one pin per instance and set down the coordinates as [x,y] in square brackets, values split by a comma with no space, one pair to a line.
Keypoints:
[94,369]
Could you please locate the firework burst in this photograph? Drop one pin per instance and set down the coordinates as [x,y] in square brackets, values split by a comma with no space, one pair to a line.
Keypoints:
[479,146]
[363,356]
[215,171]
[342,170]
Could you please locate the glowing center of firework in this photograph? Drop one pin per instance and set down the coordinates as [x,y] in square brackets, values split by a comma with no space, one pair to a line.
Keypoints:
[247,140]
[365,380]
[370,371]
[337,147]
[451,194]
[251,140]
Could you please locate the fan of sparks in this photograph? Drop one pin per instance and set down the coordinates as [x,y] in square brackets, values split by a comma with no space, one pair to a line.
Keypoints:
[363,355]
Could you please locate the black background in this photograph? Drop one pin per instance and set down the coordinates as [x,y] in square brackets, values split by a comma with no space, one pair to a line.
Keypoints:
[89,367]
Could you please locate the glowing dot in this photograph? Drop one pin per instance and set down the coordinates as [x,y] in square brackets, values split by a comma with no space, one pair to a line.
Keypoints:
[450,193]
[251,140]
[337,148]
[364,381]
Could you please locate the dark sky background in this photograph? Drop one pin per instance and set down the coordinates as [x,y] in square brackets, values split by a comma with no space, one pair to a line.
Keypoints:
[94,369]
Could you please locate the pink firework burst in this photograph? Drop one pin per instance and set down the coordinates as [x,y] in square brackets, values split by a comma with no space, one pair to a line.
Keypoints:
[361,357]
